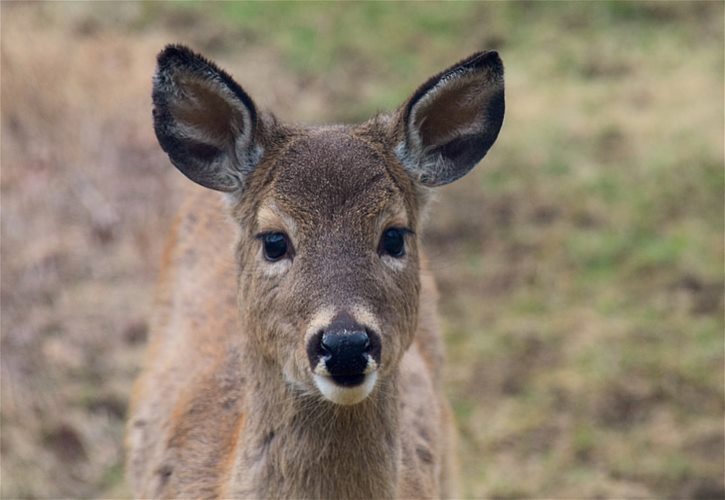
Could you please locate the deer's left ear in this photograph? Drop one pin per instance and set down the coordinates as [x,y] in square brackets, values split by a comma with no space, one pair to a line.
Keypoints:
[452,120]
[204,120]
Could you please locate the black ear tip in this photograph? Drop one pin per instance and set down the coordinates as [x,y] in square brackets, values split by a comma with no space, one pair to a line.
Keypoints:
[489,60]
[492,58]
[174,54]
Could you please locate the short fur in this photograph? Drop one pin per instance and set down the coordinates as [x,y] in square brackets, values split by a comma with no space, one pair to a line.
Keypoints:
[226,405]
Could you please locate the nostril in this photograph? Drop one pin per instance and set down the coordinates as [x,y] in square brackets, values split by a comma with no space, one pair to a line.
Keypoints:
[316,352]
[327,343]
[324,350]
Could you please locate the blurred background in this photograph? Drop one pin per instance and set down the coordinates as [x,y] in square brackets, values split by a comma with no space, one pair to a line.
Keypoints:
[580,266]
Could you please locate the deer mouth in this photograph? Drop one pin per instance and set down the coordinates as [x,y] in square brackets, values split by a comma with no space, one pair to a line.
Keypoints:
[349,380]
[346,389]
[347,386]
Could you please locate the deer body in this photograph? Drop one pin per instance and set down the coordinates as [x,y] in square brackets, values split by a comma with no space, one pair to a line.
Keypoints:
[295,351]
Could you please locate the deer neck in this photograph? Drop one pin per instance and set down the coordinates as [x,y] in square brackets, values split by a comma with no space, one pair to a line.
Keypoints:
[295,445]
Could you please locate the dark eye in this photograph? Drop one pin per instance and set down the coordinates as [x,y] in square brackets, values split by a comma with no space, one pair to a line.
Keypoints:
[275,246]
[393,242]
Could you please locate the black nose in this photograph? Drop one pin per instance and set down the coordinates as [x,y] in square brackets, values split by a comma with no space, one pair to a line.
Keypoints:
[344,351]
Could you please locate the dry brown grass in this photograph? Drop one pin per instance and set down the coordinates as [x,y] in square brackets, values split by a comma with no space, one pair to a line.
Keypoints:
[82,207]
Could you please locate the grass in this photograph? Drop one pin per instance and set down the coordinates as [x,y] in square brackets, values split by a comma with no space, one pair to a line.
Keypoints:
[581,265]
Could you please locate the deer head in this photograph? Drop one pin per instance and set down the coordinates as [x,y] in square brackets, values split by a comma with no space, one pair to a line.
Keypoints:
[328,217]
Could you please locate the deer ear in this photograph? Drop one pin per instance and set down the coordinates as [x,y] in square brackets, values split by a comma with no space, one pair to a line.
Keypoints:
[452,120]
[204,120]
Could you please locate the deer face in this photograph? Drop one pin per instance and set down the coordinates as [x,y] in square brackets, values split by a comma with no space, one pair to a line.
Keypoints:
[330,263]
[328,252]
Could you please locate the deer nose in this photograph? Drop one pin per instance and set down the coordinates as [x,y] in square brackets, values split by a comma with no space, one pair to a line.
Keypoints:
[344,352]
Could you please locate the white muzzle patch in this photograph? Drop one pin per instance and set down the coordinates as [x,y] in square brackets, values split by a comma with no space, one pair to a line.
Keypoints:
[342,395]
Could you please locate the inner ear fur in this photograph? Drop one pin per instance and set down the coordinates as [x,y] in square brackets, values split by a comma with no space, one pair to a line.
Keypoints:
[204,120]
[206,113]
[453,119]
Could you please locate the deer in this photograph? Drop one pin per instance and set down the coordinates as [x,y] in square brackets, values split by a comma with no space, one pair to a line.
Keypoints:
[295,349]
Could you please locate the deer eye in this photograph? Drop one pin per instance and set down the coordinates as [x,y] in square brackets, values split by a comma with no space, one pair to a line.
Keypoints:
[275,246]
[393,242]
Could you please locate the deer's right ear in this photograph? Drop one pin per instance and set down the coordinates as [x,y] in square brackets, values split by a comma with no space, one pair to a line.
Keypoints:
[452,120]
[204,120]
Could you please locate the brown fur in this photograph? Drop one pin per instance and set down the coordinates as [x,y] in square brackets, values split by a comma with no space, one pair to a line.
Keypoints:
[226,406]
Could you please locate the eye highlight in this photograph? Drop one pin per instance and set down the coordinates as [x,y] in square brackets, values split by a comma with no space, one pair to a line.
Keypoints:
[392,242]
[274,246]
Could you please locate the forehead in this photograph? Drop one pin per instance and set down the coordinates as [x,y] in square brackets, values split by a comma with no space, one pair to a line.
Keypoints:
[331,173]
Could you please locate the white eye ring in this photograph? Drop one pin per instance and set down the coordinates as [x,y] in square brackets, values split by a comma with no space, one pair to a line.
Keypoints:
[396,263]
[273,268]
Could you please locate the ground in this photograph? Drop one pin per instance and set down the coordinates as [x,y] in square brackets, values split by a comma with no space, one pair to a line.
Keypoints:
[580,265]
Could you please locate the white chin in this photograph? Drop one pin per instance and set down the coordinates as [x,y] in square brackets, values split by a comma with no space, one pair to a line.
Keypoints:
[345,395]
